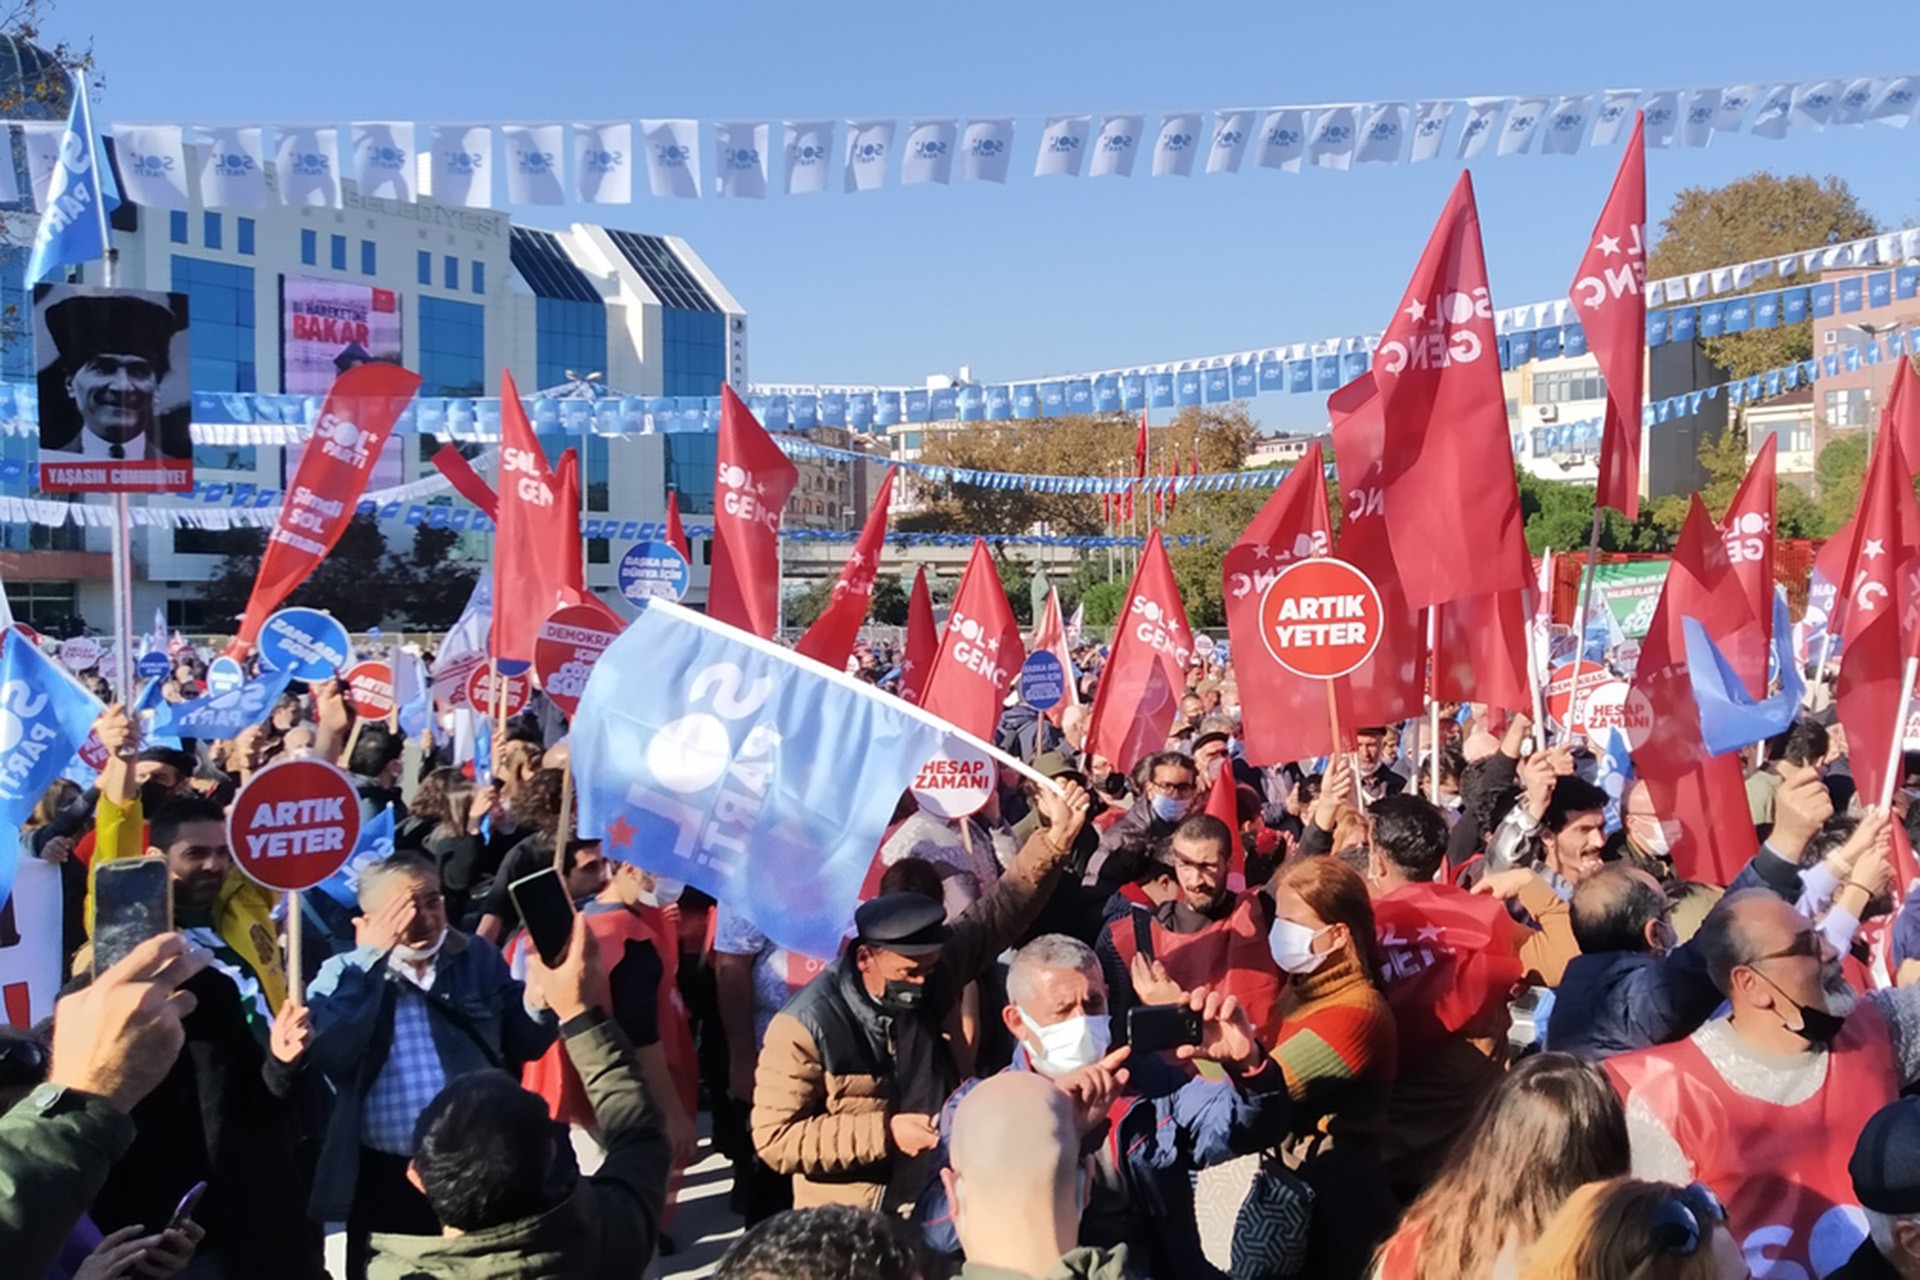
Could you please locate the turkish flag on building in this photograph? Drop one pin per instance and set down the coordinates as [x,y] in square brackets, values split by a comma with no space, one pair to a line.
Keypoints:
[1050,636]
[752,480]
[1287,718]
[359,412]
[1609,295]
[923,639]
[831,637]
[1693,793]
[530,563]
[1748,530]
[1439,480]
[1139,695]
[980,653]
[676,532]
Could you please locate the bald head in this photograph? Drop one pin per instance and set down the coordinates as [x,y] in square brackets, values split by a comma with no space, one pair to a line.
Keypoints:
[1618,908]
[1013,1176]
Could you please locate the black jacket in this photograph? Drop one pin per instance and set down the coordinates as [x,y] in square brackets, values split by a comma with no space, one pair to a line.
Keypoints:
[1617,1001]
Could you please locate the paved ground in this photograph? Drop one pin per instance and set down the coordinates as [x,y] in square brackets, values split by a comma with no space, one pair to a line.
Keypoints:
[702,1224]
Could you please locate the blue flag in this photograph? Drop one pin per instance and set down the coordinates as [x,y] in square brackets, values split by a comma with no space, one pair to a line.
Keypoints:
[375,844]
[44,717]
[222,715]
[1729,718]
[73,225]
[1613,771]
[756,775]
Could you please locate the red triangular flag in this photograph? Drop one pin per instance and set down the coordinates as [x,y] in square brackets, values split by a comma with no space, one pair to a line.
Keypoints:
[1140,447]
[1140,689]
[1748,530]
[676,532]
[1901,416]
[980,653]
[529,566]
[1050,636]
[570,548]
[923,639]
[1480,647]
[467,482]
[1442,415]
[1703,796]
[831,637]
[1609,295]
[1223,802]
[752,480]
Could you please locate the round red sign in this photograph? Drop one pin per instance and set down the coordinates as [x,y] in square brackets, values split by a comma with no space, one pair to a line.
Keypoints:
[1321,618]
[370,690]
[955,783]
[294,824]
[565,649]
[1568,696]
[482,683]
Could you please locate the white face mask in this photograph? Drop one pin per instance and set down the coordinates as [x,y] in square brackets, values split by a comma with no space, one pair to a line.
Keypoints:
[1651,835]
[1068,1046]
[1292,946]
[420,955]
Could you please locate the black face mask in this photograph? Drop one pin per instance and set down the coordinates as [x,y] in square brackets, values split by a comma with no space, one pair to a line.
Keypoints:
[1817,1026]
[903,997]
[1114,784]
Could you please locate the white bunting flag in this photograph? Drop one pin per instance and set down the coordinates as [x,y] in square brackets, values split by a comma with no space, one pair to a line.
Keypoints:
[928,154]
[1566,125]
[986,148]
[1330,144]
[1116,146]
[1734,102]
[1775,112]
[306,164]
[809,152]
[458,166]
[673,158]
[1175,146]
[43,139]
[1063,145]
[533,155]
[1383,133]
[869,143]
[1696,122]
[603,163]
[1813,105]
[1483,114]
[1896,103]
[740,159]
[1231,129]
[233,168]
[383,161]
[1854,101]
[1662,115]
[1522,123]
[1614,115]
[152,162]
[1430,129]
[1283,139]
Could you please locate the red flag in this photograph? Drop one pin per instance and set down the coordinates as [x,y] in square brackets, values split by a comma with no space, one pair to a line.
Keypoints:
[360,409]
[1691,790]
[1480,647]
[1140,447]
[923,639]
[1748,530]
[1050,636]
[1129,515]
[1452,959]
[980,652]
[1173,483]
[467,482]
[831,637]
[1609,294]
[1288,720]
[530,569]
[1146,674]
[1878,633]
[676,532]
[1223,802]
[1442,422]
[752,480]
[1901,415]
[570,548]
[1159,501]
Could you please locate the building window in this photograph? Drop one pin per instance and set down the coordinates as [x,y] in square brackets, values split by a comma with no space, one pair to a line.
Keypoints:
[44,606]
[1847,408]
[450,273]
[337,252]
[426,267]
[599,473]
[479,277]
[368,258]
[220,302]
[691,460]
[599,551]
[188,614]
[225,457]
[310,247]
[243,235]
[568,335]
[453,348]
[693,352]
[212,229]
[177,226]
[1567,385]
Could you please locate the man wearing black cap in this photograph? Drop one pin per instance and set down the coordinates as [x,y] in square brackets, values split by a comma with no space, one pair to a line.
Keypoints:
[855,1067]
[1886,1180]
[113,355]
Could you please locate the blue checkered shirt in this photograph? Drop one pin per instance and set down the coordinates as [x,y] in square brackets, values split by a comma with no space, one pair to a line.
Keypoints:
[411,1078]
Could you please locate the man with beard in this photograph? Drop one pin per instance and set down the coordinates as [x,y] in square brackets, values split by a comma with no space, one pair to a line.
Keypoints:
[1763,1105]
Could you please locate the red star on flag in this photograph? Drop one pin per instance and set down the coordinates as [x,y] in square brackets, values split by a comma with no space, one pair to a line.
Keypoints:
[620,835]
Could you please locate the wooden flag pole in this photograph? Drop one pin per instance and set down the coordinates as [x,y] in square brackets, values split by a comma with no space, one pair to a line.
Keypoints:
[564,834]
[1433,704]
[296,952]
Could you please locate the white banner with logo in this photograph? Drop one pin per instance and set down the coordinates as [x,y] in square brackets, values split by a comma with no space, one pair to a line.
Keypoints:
[740,160]
[673,157]
[383,159]
[533,155]
[153,165]
[603,163]
[459,165]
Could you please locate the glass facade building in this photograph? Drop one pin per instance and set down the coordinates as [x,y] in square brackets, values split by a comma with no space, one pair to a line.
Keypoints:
[453,348]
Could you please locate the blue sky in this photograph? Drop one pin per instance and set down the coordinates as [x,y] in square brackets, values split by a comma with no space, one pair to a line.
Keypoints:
[1038,277]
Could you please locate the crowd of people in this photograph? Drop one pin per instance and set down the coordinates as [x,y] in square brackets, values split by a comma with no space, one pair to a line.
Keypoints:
[1438,1005]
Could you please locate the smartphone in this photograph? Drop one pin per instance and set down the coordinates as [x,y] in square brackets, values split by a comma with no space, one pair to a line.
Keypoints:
[132,901]
[1153,1027]
[546,910]
[188,1203]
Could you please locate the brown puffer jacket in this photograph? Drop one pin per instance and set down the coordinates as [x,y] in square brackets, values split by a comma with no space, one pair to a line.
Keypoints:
[835,1065]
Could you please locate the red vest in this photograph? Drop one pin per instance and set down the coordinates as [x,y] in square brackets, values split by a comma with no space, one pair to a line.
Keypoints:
[1230,953]
[1781,1171]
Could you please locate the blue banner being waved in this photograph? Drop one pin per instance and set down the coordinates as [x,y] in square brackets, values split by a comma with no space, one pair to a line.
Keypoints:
[222,715]
[44,717]
[756,775]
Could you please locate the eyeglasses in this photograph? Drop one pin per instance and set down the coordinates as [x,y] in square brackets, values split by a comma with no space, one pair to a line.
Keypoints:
[1175,789]
[1689,1214]
[1805,943]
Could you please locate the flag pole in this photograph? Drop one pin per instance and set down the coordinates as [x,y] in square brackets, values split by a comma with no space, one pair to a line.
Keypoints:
[1433,704]
[121,563]
[1896,749]
[565,827]
[296,968]
[1580,631]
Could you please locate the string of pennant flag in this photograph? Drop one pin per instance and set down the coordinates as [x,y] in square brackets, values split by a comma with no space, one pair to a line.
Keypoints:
[240,165]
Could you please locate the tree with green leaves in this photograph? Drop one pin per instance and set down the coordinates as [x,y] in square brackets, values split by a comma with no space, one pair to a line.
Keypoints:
[360,582]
